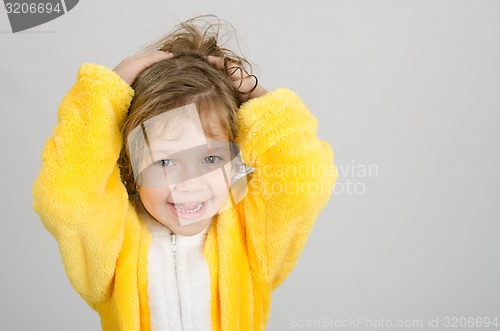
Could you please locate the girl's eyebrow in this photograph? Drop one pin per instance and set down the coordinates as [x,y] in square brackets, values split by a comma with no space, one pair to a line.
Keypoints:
[210,145]
[206,146]
[166,151]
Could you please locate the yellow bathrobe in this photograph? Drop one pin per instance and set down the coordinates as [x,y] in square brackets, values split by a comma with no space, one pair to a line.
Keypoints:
[250,249]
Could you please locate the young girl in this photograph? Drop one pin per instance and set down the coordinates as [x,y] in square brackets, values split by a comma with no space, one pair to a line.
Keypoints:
[180,191]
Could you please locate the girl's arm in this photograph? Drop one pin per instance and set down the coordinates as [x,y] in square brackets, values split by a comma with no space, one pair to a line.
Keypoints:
[78,193]
[293,179]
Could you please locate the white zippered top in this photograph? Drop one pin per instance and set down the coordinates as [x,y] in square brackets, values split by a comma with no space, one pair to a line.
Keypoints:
[178,282]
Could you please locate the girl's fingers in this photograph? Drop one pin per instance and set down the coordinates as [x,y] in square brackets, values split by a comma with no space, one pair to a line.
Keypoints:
[223,63]
[242,80]
[155,55]
[147,59]
[132,66]
[218,62]
[233,70]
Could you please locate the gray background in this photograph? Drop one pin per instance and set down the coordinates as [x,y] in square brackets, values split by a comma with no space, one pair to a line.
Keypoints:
[410,88]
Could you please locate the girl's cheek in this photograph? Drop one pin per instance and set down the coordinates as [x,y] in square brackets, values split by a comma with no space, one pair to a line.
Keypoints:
[220,178]
[152,194]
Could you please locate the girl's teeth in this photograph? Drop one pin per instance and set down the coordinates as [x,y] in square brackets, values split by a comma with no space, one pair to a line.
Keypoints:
[194,210]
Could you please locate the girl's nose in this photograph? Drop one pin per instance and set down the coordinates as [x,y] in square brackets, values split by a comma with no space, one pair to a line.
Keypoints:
[191,185]
[191,179]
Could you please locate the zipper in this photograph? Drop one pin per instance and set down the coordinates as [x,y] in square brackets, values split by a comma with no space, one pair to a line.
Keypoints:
[174,249]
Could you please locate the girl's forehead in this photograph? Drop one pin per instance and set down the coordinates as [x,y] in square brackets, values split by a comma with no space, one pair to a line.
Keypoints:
[182,121]
[174,130]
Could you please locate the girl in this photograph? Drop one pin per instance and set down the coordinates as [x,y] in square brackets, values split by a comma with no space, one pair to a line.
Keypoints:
[180,191]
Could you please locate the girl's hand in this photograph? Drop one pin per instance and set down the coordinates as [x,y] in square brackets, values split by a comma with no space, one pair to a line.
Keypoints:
[246,84]
[129,68]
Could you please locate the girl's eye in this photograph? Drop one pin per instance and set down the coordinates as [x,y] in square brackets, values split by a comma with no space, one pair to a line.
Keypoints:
[212,159]
[165,163]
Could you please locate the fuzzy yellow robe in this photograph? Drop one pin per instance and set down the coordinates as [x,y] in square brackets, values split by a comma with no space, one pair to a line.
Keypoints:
[250,249]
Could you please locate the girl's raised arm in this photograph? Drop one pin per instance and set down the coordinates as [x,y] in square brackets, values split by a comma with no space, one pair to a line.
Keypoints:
[292,182]
[78,193]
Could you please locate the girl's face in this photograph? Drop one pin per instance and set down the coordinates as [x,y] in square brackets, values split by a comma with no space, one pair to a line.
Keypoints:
[185,176]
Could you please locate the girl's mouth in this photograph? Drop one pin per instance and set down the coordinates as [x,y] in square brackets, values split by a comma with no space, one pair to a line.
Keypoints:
[188,210]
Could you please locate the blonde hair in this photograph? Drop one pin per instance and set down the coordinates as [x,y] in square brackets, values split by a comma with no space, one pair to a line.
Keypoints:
[186,78]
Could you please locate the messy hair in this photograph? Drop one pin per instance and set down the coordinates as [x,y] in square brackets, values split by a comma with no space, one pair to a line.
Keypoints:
[186,78]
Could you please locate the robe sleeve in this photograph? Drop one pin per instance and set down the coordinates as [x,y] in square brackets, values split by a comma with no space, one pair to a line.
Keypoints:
[293,179]
[78,193]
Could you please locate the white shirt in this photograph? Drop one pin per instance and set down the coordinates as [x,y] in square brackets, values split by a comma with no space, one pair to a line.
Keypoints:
[178,283]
